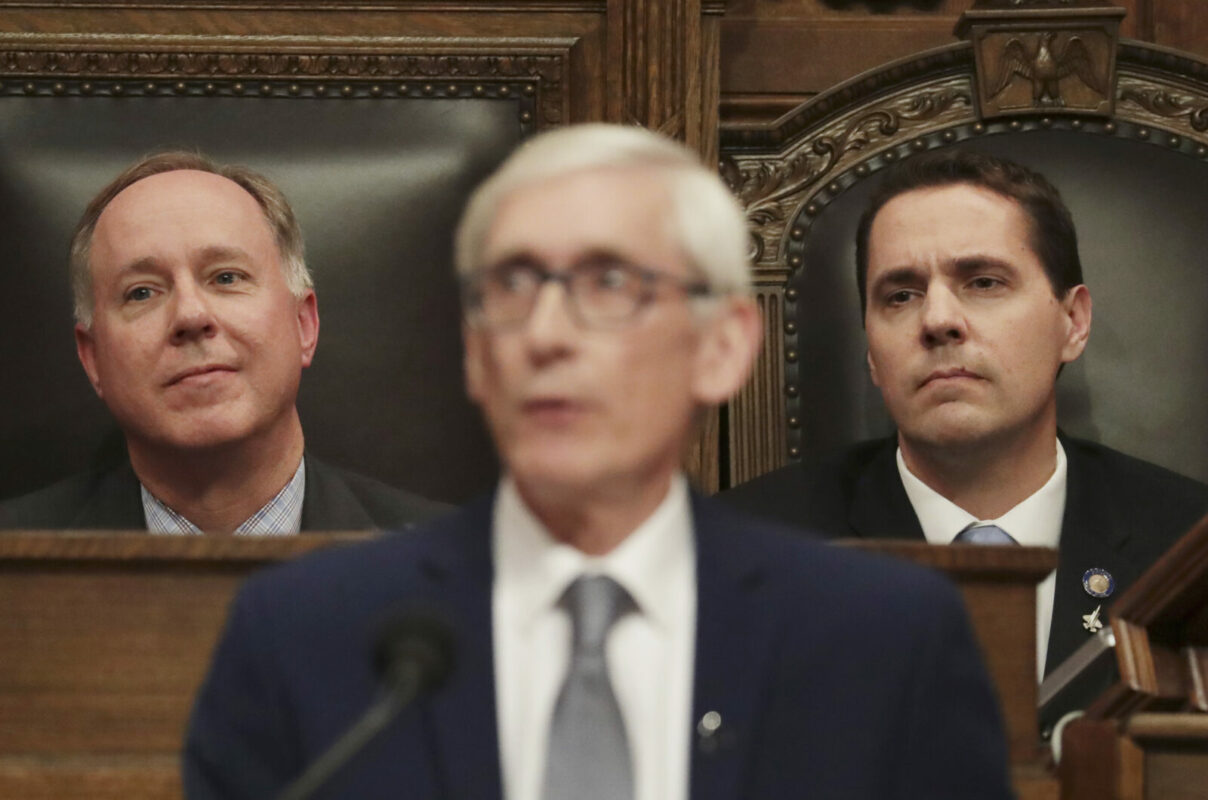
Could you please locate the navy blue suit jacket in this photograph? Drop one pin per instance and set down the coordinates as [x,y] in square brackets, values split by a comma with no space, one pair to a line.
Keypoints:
[1121,514]
[837,674]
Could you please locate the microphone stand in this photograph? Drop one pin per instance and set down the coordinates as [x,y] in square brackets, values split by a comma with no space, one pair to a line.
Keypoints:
[406,683]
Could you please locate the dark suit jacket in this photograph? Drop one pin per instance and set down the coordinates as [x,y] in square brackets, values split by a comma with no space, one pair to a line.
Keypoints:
[335,499]
[836,674]
[1121,513]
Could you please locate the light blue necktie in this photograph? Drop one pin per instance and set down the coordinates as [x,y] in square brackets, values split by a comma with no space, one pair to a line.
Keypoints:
[983,534]
[588,751]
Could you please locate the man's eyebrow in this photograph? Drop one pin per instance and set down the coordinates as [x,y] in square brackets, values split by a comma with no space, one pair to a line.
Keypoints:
[968,265]
[898,276]
[595,255]
[140,266]
[222,252]
[510,258]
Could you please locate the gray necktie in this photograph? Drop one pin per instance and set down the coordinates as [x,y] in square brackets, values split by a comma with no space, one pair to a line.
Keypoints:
[983,534]
[588,751]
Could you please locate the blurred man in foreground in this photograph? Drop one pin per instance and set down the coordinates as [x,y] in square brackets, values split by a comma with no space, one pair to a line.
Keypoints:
[617,636]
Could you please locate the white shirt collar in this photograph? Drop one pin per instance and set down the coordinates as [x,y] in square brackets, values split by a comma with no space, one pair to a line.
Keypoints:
[1034,521]
[536,568]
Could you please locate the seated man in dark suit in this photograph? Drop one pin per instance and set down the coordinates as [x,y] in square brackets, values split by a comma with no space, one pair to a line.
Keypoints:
[195,315]
[972,294]
[616,635]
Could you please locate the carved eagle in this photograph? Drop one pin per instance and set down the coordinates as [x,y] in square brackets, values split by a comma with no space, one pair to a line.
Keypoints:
[1046,68]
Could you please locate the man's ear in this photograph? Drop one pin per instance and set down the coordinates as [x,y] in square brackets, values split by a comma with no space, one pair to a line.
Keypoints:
[308,326]
[872,368]
[472,363]
[1077,307]
[728,349]
[86,350]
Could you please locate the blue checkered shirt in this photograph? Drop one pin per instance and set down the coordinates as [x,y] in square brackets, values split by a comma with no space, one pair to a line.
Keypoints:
[281,516]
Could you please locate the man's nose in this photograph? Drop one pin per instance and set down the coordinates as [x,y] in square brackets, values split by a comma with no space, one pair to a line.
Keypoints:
[193,317]
[550,328]
[943,318]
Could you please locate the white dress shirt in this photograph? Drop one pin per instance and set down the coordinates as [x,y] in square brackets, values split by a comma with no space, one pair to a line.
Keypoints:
[649,651]
[1034,522]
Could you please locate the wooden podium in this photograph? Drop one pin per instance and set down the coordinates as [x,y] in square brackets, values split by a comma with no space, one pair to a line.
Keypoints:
[999,587]
[1147,737]
[104,639]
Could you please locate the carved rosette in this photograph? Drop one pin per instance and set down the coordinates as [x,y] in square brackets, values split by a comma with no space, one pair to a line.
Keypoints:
[536,81]
[773,187]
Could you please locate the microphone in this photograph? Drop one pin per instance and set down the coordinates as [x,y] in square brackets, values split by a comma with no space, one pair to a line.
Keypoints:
[412,654]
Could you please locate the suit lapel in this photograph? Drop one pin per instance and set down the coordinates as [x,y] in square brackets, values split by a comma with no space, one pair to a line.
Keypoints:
[1090,537]
[734,632]
[462,715]
[328,504]
[114,501]
[879,506]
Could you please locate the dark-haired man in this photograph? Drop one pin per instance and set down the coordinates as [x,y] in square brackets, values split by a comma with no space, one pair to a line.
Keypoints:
[972,295]
[195,316]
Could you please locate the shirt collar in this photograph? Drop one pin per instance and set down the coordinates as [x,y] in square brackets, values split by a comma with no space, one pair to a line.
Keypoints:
[535,568]
[1034,521]
[280,516]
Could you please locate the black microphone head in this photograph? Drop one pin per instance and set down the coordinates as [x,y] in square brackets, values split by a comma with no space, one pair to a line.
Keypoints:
[414,646]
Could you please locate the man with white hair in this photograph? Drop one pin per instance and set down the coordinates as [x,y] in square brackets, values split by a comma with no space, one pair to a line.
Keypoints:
[195,316]
[617,636]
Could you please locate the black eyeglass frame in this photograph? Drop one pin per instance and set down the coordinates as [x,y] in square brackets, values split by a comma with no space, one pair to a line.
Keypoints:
[651,279]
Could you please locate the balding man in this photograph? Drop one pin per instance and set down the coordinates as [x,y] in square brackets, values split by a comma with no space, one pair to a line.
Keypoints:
[195,316]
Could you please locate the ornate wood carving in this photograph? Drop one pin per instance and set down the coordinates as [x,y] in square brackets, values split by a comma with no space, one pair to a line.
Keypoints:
[771,188]
[1040,55]
[1165,106]
[537,81]
[1039,70]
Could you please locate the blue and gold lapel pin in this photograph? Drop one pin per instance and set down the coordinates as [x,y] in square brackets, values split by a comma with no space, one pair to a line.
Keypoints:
[1099,584]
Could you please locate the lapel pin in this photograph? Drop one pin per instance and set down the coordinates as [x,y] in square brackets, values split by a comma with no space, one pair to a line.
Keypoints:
[1098,582]
[1091,621]
[707,731]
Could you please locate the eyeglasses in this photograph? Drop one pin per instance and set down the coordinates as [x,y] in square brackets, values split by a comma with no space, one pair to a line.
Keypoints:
[601,292]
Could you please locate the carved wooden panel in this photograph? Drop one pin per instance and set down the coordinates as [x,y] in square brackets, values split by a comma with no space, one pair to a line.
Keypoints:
[348,69]
[105,640]
[1040,55]
[1045,71]
[756,415]
[776,54]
